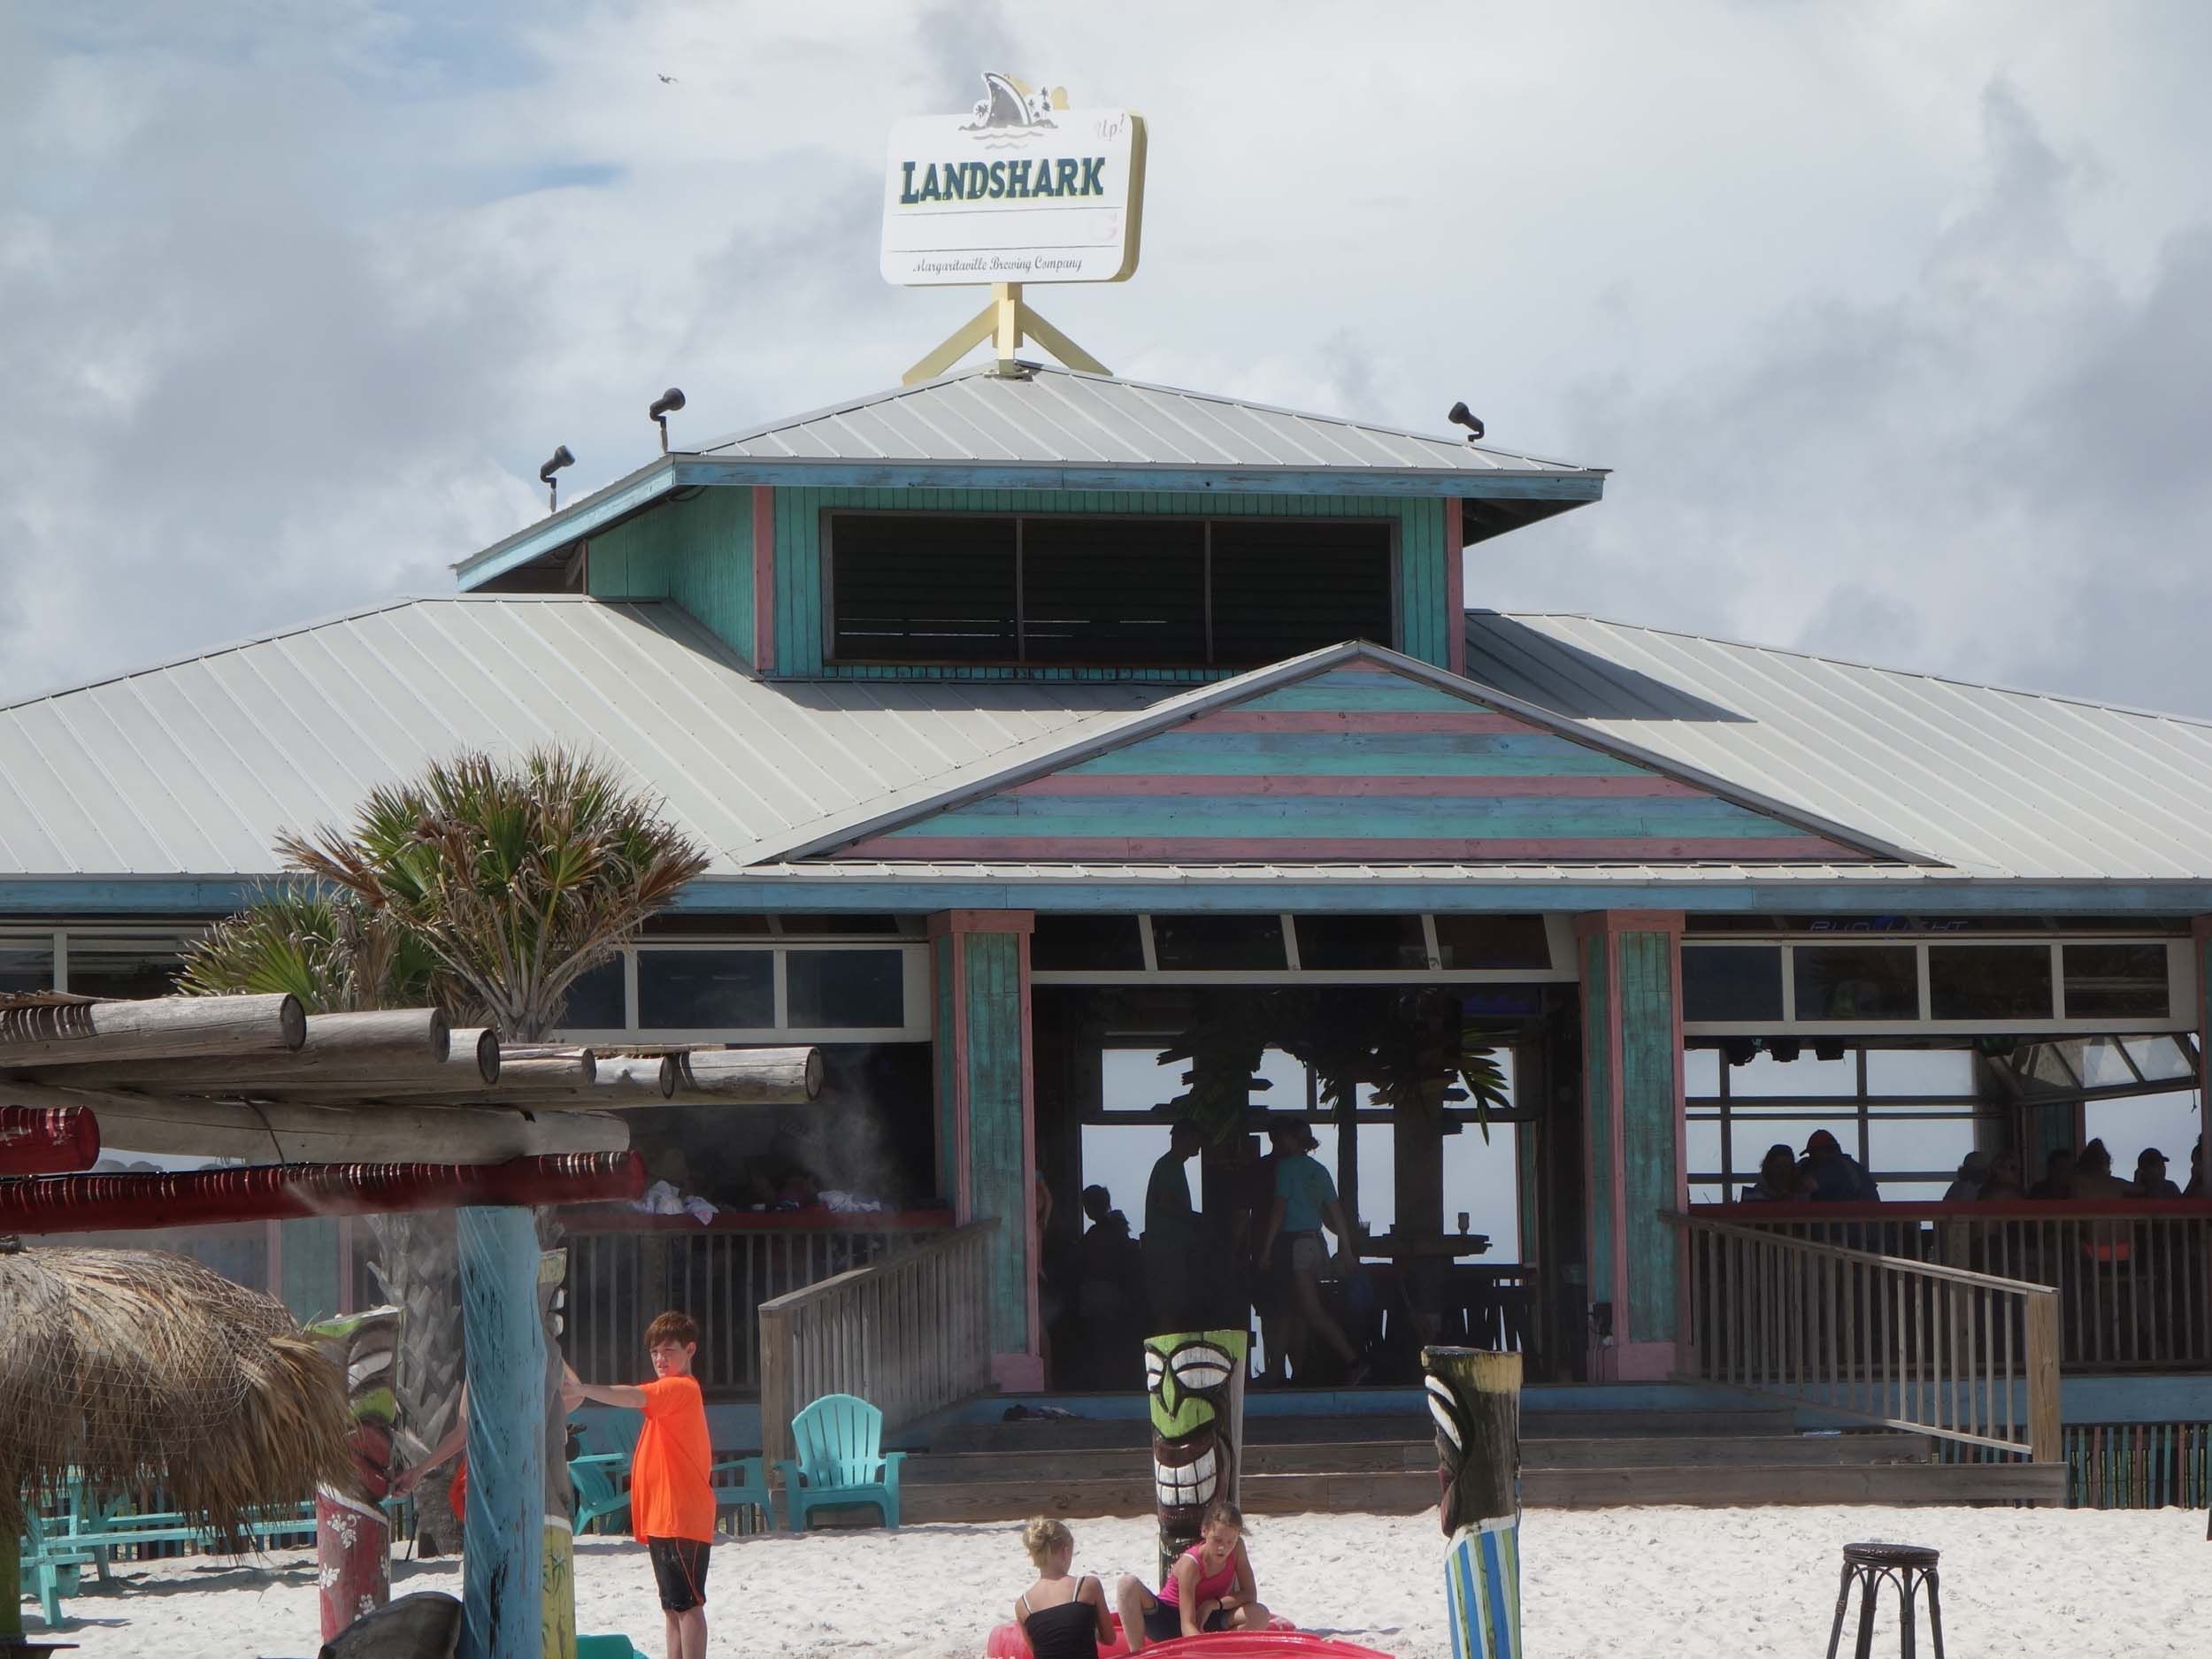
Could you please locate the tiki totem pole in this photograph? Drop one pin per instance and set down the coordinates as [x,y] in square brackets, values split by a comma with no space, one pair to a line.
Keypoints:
[1475,1398]
[1194,1381]
[353,1537]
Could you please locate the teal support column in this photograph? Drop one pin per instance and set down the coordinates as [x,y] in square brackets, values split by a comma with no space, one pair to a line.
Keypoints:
[308,1267]
[2200,960]
[1631,1070]
[986,1138]
[502,1566]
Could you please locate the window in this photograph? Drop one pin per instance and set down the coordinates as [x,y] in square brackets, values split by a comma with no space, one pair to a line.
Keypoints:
[1243,944]
[1856,982]
[1362,941]
[1989,981]
[122,968]
[1734,982]
[598,1000]
[26,967]
[862,989]
[693,990]
[1109,944]
[2116,982]
[1467,943]
[1058,590]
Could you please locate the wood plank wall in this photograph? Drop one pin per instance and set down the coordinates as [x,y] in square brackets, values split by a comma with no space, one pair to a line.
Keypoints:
[698,553]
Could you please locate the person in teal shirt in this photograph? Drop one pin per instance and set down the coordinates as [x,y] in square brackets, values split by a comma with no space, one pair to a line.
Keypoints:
[1306,1201]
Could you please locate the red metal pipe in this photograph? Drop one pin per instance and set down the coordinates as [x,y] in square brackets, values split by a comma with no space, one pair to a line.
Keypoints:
[288,1192]
[48,1140]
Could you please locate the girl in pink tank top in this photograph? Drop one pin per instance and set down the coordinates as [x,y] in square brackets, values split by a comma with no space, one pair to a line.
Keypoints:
[1210,1587]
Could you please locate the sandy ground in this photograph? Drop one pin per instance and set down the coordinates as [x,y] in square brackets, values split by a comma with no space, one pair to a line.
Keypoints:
[1698,1583]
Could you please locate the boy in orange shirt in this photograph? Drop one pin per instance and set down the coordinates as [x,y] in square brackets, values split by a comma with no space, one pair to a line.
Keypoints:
[671,1500]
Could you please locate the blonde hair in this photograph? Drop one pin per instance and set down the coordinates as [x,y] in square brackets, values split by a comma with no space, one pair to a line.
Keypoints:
[1042,1536]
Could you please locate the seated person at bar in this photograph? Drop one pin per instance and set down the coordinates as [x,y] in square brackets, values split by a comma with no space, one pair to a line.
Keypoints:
[1973,1175]
[2058,1175]
[2151,1179]
[2092,1174]
[2004,1177]
[1833,1175]
[1779,1182]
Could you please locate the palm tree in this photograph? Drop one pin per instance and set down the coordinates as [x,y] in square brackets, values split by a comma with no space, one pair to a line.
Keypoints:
[488,887]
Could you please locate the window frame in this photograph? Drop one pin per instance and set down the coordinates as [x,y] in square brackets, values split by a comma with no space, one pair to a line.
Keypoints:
[826,541]
[1564,969]
[914,961]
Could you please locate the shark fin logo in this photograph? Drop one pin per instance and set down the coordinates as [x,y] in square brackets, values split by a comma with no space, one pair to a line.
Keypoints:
[1011,106]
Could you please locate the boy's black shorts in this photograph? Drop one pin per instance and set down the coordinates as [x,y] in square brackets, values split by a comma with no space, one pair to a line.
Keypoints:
[679,1568]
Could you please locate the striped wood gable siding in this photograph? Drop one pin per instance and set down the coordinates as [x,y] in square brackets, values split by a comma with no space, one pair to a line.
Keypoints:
[697,552]
[1356,764]
[1425,625]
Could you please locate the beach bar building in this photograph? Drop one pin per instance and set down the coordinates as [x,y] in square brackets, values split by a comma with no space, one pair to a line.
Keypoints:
[1041,722]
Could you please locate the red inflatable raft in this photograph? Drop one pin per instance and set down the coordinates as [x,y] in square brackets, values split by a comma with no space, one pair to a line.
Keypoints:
[1282,1640]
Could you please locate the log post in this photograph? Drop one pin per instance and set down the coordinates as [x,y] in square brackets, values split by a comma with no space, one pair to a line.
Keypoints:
[1193,1385]
[353,1536]
[48,1140]
[768,1077]
[1474,1398]
[502,1572]
[165,1027]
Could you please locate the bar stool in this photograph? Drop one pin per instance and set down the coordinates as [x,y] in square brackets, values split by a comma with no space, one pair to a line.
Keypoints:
[1907,1566]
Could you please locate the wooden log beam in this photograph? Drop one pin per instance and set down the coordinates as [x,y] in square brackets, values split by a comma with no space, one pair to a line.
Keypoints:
[48,1140]
[296,1132]
[289,1192]
[336,1046]
[755,1076]
[165,1027]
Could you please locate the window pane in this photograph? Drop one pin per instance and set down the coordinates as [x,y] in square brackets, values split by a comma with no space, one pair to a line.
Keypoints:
[1493,942]
[1989,982]
[2158,1058]
[595,1000]
[1362,941]
[1808,1075]
[1701,1073]
[1926,1071]
[1703,1137]
[27,968]
[1225,943]
[121,970]
[1067,944]
[2116,982]
[685,990]
[802,926]
[1929,1146]
[1731,982]
[1113,591]
[849,988]
[1136,1080]
[1283,586]
[1845,982]
[921,587]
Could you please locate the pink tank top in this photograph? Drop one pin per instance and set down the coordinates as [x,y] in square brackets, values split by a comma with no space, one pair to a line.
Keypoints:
[1207,1589]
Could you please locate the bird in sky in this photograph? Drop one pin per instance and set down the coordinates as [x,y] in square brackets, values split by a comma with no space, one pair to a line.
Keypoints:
[666,80]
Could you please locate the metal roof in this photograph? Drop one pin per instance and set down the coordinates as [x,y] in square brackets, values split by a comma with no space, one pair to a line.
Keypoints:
[194,767]
[1991,781]
[1055,417]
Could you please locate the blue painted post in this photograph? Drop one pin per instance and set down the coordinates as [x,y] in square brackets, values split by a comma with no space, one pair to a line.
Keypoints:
[503,1568]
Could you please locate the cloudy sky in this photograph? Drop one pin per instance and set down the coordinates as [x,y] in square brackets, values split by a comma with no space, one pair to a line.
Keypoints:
[1895,319]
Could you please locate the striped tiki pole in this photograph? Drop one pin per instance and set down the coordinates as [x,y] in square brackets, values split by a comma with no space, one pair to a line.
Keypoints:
[353,1537]
[1475,1398]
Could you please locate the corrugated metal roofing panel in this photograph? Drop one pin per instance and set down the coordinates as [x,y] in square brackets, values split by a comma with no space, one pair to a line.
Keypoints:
[1056,417]
[1992,781]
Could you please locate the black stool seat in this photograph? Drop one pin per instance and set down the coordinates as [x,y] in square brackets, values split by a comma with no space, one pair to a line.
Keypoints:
[1891,1554]
[1909,1567]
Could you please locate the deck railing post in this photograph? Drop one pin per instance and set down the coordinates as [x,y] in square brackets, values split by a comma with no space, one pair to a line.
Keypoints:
[2046,1434]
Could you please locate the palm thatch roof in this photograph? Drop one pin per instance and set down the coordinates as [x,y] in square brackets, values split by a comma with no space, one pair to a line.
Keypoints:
[137,1370]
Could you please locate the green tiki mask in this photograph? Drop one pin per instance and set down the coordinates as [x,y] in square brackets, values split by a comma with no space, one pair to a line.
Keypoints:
[1193,1383]
[1474,1399]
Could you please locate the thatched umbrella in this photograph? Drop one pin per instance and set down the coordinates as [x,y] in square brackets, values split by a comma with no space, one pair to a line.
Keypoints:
[134,1369]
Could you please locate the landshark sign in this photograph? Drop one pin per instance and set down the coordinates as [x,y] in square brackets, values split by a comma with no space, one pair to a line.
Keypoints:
[1020,189]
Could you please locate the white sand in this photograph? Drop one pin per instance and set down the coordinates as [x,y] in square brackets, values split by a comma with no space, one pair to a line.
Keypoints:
[1637,1584]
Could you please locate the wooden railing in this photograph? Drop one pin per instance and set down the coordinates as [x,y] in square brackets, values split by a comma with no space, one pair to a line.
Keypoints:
[1963,1357]
[2133,1276]
[910,1334]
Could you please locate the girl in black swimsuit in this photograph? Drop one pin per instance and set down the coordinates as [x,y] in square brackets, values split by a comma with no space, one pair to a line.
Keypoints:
[1063,1617]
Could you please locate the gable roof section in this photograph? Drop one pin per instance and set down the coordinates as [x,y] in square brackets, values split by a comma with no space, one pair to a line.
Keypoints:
[1992,781]
[1350,753]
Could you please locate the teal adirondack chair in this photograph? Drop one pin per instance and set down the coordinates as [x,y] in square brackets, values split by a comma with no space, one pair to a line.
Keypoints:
[840,1461]
[602,1480]
[740,1483]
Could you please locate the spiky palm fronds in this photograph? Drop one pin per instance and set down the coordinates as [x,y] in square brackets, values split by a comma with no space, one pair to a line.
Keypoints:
[515,878]
[135,1370]
[333,954]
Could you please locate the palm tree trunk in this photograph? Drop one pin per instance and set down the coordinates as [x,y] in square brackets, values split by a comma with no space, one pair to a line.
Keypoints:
[418,1265]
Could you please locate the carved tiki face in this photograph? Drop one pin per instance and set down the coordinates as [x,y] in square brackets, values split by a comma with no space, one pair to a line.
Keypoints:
[1187,1378]
[1451,1452]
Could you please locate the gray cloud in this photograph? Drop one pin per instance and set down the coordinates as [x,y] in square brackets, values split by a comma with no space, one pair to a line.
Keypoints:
[1897,339]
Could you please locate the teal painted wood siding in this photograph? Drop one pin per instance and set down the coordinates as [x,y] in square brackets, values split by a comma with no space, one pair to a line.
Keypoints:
[1424,626]
[1598,1128]
[997,1156]
[1650,1047]
[1359,764]
[698,553]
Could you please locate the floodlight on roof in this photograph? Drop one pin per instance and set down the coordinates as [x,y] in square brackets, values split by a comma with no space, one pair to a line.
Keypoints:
[666,404]
[560,458]
[1459,417]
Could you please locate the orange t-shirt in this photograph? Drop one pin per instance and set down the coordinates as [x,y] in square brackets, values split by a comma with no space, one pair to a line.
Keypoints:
[670,1495]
